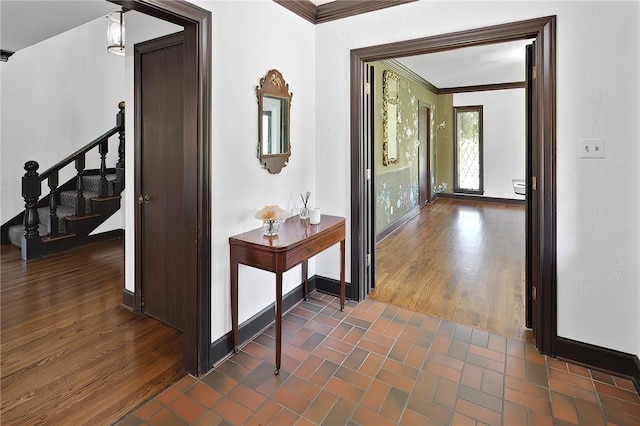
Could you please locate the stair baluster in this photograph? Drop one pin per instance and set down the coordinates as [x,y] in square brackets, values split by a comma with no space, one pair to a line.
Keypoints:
[80,201]
[53,204]
[119,184]
[31,191]
[103,190]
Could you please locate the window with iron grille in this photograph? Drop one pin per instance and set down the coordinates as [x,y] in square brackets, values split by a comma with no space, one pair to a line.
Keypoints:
[468,164]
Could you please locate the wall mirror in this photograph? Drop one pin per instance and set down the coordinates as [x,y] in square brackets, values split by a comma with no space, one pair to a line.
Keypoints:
[274,105]
[390,89]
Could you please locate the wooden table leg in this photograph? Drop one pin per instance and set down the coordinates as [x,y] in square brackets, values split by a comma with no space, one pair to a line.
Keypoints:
[278,321]
[234,302]
[305,279]
[342,285]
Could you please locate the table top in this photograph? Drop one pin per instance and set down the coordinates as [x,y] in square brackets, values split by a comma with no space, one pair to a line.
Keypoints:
[291,234]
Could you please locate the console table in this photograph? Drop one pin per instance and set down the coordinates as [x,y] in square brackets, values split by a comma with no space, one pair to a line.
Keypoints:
[293,245]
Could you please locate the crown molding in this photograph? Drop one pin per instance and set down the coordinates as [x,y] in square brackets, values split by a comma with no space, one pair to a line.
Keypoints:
[337,9]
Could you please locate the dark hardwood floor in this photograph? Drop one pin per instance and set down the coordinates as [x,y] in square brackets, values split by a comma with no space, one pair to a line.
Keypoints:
[70,353]
[459,260]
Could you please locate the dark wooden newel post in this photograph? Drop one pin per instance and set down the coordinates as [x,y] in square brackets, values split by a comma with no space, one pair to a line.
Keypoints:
[119,185]
[31,191]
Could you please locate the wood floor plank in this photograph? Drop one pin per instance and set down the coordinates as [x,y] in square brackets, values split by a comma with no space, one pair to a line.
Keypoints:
[70,354]
[458,260]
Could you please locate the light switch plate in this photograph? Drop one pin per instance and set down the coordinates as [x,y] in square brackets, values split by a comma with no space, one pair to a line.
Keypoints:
[591,148]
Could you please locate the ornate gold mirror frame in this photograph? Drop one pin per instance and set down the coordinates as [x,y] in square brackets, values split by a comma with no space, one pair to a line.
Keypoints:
[390,117]
[274,106]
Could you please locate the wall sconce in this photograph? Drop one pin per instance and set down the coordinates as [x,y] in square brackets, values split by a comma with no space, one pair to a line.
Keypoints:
[441,126]
[115,32]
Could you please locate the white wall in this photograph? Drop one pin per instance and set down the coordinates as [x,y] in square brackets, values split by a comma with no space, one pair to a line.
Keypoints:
[50,109]
[597,87]
[249,38]
[504,132]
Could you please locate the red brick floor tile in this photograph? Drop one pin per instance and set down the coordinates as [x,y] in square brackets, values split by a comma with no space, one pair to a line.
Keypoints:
[187,408]
[395,380]
[323,373]
[168,395]
[329,354]
[493,383]
[573,390]
[563,407]
[478,412]
[185,383]
[442,371]
[357,379]
[527,400]
[446,393]
[497,343]
[376,347]
[400,369]
[602,377]
[480,398]
[338,345]
[394,404]
[320,407]
[365,416]
[344,389]
[232,411]
[204,394]
[308,367]
[207,419]
[304,422]
[267,412]
[462,420]
[354,335]
[540,419]
[258,350]
[411,418]
[356,358]
[371,365]
[399,351]
[375,395]
[430,410]
[446,360]
[233,370]
[441,344]
[484,362]
[166,417]
[341,330]
[341,412]
[515,348]
[426,385]
[285,418]
[574,379]
[149,409]
[463,332]
[302,387]
[527,388]
[623,394]
[247,397]
[458,349]
[514,414]
[537,374]
[620,405]
[624,384]
[532,355]
[619,418]
[415,357]
[472,376]
[480,338]
[579,370]
[589,413]
[516,367]
[557,364]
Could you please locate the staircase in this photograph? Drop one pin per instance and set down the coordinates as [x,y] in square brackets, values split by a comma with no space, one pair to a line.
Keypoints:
[65,217]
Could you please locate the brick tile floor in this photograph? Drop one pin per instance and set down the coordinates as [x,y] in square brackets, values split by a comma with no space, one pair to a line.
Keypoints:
[377,364]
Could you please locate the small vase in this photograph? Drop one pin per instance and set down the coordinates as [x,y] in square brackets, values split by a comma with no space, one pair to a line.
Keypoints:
[270,228]
[304,215]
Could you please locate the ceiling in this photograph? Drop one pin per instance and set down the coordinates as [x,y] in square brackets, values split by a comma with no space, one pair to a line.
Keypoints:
[24,23]
[492,64]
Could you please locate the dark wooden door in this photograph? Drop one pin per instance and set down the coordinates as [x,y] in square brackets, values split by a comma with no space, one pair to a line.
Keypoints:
[159,71]
[424,166]
[532,241]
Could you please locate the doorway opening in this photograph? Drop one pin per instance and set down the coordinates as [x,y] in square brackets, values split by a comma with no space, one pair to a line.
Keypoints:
[541,174]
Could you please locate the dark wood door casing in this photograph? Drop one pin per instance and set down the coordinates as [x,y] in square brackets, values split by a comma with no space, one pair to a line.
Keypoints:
[159,151]
[424,153]
[544,31]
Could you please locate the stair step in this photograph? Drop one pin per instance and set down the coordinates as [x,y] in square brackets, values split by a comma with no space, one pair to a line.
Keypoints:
[61,211]
[17,231]
[68,199]
[92,183]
